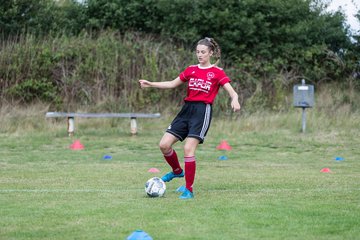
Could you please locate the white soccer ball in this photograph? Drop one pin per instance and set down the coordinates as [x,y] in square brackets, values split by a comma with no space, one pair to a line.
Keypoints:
[155,187]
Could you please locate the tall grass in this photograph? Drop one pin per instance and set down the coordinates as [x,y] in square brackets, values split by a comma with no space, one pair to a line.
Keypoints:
[328,113]
[89,70]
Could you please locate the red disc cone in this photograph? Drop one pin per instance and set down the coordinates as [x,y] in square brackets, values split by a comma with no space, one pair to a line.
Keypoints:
[223,146]
[77,145]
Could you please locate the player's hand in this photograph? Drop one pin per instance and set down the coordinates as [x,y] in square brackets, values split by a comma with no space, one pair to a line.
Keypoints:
[144,83]
[235,105]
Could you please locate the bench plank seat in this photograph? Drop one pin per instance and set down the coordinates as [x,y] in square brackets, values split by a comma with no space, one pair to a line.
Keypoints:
[103,115]
[71,118]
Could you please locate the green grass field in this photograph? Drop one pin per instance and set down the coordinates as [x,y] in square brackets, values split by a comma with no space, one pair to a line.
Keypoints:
[270,187]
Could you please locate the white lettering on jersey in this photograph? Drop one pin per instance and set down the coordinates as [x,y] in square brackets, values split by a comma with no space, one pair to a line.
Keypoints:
[199,84]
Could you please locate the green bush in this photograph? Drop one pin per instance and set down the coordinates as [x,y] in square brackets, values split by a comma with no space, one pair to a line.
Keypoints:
[30,90]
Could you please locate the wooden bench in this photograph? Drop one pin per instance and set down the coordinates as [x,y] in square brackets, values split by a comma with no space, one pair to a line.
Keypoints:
[71,118]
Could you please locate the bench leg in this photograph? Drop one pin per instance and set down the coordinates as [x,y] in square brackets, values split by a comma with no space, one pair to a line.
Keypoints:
[133,126]
[71,126]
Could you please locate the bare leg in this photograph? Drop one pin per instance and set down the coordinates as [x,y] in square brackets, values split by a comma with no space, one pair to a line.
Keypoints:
[166,143]
[190,146]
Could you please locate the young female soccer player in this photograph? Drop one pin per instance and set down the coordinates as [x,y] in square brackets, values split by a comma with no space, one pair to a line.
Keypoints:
[193,121]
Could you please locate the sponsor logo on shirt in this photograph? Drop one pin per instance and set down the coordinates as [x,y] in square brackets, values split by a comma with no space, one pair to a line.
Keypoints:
[199,84]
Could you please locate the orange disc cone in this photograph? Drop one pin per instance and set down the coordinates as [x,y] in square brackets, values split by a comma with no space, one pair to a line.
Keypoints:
[223,146]
[77,145]
[153,170]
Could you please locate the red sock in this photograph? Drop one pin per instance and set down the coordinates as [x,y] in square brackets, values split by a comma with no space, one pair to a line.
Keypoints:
[172,159]
[190,169]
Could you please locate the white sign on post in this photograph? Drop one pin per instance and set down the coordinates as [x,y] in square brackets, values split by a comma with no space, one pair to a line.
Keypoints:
[303,88]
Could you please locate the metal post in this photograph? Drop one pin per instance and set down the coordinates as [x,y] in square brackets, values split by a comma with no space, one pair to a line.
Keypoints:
[303,120]
[303,125]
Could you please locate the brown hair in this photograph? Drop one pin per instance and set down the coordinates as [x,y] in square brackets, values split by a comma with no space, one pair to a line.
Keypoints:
[213,46]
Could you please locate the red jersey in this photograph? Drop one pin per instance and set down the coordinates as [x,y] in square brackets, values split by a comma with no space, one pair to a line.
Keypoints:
[203,83]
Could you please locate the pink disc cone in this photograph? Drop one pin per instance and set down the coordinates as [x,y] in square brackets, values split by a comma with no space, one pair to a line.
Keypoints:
[223,146]
[325,170]
[153,170]
[77,145]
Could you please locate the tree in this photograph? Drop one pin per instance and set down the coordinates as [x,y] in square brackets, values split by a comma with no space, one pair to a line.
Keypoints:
[41,17]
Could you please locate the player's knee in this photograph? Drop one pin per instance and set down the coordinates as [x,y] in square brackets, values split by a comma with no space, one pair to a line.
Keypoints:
[164,147]
[189,150]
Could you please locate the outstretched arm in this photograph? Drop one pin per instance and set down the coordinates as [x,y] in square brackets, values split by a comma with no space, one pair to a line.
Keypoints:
[235,105]
[167,84]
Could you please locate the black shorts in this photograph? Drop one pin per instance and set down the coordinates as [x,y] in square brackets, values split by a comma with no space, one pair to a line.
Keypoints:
[192,121]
